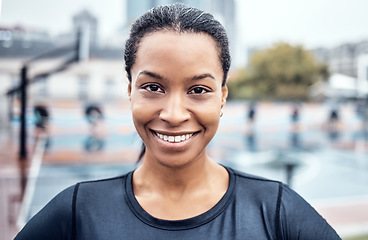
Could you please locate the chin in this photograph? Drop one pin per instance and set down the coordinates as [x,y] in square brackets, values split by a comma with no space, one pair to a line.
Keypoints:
[177,160]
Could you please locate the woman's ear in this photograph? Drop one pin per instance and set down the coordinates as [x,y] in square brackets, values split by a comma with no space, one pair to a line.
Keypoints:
[129,90]
[225,92]
[129,85]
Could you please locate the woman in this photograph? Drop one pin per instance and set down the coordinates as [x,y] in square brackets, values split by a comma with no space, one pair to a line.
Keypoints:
[177,61]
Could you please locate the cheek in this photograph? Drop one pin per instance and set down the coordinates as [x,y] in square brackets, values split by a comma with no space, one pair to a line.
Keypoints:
[209,115]
[141,113]
[210,119]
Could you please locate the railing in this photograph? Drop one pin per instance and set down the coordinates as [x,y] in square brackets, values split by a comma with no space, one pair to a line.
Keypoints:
[16,188]
[32,177]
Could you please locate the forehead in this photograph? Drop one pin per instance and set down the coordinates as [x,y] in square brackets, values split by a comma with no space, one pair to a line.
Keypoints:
[167,35]
[168,48]
[178,40]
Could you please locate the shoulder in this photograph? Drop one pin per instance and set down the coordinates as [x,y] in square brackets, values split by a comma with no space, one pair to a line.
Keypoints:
[52,221]
[99,188]
[250,177]
[62,212]
[101,184]
[293,216]
[299,219]
[257,185]
[254,192]
[266,190]
[110,189]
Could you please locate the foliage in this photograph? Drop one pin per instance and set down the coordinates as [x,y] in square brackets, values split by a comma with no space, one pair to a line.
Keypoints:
[359,238]
[281,72]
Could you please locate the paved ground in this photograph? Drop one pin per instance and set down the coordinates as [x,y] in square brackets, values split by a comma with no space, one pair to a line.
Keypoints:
[331,167]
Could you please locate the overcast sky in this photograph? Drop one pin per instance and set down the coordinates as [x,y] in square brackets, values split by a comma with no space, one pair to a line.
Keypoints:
[261,22]
[309,22]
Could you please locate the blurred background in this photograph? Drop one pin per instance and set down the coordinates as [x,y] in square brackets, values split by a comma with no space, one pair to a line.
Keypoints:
[297,109]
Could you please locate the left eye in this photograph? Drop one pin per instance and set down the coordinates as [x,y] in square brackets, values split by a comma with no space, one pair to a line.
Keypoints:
[153,88]
[198,90]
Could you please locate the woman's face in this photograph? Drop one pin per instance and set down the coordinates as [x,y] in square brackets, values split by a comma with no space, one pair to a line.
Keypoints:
[176,95]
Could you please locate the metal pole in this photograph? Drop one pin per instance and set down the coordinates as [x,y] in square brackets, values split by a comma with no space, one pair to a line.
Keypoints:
[289,173]
[80,55]
[23,113]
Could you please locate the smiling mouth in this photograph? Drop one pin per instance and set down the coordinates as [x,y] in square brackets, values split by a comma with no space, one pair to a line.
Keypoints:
[174,139]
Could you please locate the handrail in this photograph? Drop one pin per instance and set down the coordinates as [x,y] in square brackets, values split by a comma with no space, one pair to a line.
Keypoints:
[31,179]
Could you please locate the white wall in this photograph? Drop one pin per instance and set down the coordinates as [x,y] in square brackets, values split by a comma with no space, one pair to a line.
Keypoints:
[363,73]
[4,85]
[8,79]
[96,74]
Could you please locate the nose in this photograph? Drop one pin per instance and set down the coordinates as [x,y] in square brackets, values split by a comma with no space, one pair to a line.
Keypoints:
[175,110]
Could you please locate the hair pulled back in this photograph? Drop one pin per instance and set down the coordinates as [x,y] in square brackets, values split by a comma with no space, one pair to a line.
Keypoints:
[182,19]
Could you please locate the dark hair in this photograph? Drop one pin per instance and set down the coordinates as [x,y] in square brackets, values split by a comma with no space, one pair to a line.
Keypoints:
[182,19]
[179,18]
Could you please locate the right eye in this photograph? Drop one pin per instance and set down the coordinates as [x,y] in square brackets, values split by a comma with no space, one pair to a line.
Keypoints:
[153,88]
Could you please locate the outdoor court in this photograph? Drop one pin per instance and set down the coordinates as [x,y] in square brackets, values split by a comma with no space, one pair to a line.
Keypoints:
[328,168]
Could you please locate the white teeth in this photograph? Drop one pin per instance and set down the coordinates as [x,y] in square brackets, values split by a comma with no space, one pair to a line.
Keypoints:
[179,138]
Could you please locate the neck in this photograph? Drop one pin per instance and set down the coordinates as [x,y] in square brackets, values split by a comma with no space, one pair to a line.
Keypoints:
[175,193]
[175,181]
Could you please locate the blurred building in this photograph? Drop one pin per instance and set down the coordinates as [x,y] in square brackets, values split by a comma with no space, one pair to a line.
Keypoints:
[363,66]
[342,59]
[337,87]
[348,64]
[89,79]
[363,73]
[86,20]
[99,78]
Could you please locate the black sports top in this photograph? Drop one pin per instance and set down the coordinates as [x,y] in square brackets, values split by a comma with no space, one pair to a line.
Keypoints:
[252,208]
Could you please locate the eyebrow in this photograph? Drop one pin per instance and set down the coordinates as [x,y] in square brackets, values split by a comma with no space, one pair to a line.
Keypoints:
[202,76]
[193,78]
[151,74]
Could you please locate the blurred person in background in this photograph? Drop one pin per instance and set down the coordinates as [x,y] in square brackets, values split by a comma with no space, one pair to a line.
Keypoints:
[96,139]
[93,115]
[41,116]
[365,120]
[251,112]
[177,62]
[334,118]
[42,121]
[295,116]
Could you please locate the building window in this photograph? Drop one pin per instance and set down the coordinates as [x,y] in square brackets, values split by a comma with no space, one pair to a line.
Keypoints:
[14,83]
[110,89]
[7,43]
[14,80]
[83,87]
[42,87]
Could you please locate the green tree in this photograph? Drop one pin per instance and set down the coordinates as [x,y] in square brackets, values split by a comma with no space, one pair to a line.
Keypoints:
[281,72]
